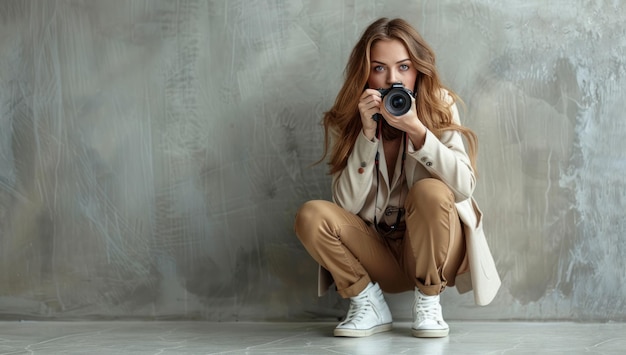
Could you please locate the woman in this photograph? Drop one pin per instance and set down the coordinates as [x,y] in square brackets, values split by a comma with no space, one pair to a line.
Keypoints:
[403,217]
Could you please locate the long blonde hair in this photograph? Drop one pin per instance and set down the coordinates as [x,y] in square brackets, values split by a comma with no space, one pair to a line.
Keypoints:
[432,108]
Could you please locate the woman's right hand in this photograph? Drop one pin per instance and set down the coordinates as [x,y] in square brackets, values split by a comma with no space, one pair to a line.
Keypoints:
[369,105]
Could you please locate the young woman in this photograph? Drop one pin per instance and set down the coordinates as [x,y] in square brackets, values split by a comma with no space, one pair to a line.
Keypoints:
[402,217]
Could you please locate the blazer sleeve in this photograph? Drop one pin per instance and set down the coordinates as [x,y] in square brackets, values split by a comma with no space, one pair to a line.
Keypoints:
[446,159]
[351,186]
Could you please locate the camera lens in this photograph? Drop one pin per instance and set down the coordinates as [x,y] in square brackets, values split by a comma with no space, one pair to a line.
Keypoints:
[397,102]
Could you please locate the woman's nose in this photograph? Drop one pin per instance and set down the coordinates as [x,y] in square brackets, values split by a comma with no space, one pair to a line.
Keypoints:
[392,77]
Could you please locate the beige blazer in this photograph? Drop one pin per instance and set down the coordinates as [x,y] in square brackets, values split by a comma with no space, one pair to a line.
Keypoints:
[355,189]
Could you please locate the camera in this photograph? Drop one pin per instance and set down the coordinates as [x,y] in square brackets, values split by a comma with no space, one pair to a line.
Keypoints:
[397,100]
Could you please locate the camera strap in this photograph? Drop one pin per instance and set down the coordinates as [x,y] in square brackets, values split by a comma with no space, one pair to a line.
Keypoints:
[399,209]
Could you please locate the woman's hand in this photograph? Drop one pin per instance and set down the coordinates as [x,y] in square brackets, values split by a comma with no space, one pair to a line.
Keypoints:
[369,105]
[409,123]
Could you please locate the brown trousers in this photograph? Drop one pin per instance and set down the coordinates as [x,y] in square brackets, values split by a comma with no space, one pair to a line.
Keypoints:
[429,254]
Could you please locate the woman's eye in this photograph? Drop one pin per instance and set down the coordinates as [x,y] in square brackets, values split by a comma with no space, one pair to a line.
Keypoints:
[379,68]
[404,67]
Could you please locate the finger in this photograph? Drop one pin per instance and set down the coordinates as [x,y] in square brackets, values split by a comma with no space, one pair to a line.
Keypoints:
[370,93]
[374,101]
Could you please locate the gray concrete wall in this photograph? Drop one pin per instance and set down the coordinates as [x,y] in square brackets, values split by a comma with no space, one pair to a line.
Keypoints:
[153,153]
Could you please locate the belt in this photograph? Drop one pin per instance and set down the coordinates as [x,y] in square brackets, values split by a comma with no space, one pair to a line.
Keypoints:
[386,229]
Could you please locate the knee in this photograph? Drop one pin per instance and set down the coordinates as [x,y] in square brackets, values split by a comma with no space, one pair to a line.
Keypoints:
[429,193]
[309,218]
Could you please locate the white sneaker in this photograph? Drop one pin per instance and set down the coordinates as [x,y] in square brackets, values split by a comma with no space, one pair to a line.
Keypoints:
[368,314]
[427,318]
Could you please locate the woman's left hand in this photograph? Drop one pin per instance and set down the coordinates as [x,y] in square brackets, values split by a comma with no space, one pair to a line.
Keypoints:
[409,123]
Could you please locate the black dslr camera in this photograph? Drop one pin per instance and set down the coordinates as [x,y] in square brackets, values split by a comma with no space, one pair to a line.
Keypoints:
[397,100]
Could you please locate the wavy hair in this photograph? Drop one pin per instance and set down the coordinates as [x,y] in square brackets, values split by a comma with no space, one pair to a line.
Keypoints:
[433,109]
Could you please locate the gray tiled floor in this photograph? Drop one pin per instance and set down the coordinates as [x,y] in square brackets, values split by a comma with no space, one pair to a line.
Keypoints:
[304,338]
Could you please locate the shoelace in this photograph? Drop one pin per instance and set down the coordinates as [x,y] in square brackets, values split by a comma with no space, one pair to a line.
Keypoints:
[427,308]
[359,307]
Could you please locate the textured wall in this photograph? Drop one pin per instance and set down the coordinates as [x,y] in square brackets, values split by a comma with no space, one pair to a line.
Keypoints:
[153,153]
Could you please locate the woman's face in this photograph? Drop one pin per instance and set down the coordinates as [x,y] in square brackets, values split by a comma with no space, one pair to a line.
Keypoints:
[390,63]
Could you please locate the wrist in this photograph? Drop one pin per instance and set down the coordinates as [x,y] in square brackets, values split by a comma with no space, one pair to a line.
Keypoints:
[369,133]
[418,137]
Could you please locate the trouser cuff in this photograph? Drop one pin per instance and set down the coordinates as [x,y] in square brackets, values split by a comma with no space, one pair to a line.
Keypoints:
[355,288]
[430,290]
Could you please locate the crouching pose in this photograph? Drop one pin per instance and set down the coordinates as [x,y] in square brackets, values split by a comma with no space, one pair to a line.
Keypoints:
[402,217]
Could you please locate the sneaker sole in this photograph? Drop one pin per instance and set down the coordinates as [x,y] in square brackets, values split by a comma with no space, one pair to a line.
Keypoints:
[359,333]
[430,333]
